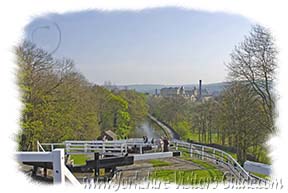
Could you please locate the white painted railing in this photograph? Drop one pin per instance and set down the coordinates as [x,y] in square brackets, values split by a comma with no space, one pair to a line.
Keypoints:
[39,147]
[149,156]
[104,147]
[60,171]
[215,155]
[205,152]
[121,147]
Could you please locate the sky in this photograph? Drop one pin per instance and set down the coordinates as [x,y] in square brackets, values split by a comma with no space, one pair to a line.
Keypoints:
[152,46]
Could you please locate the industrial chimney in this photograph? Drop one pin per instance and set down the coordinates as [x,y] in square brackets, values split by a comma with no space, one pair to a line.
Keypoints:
[200,89]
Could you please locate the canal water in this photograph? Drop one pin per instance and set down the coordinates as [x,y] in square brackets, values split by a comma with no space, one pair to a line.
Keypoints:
[148,128]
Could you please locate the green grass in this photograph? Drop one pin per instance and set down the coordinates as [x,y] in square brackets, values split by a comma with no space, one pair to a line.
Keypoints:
[188,177]
[261,175]
[184,152]
[195,137]
[159,163]
[79,159]
[234,155]
[191,136]
[263,155]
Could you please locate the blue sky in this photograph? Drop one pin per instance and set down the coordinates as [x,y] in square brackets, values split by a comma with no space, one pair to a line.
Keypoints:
[153,46]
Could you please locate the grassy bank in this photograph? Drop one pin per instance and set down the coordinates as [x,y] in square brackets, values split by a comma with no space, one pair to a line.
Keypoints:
[159,163]
[207,174]
[79,159]
[188,177]
[261,175]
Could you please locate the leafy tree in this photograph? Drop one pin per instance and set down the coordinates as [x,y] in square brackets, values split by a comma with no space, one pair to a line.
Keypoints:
[253,61]
[39,75]
[243,114]
[137,106]
[113,111]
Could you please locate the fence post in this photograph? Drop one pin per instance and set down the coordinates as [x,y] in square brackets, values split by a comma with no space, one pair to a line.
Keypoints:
[126,148]
[176,145]
[121,149]
[191,151]
[103,147]
[202,153]
[38,146]
[67,147]
[58,166]
[141,150]
[85,147]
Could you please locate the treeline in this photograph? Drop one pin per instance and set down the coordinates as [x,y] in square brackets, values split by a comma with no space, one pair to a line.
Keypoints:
[233,119]
[60,104]
[243,115]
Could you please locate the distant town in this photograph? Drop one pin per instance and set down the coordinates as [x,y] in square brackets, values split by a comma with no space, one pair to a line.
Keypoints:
[193,92]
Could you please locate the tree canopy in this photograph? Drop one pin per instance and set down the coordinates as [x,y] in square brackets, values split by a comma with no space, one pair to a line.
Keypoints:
[242,116]
[60,104]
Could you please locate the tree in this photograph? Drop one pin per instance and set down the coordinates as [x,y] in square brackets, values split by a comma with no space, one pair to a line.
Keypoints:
[112,111]
[254,62]
[39,76]
[60,104]
[137,106]
[242,115]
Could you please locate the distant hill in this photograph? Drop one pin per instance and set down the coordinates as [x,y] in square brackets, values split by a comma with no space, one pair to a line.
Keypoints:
[213,88]
[143,88]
